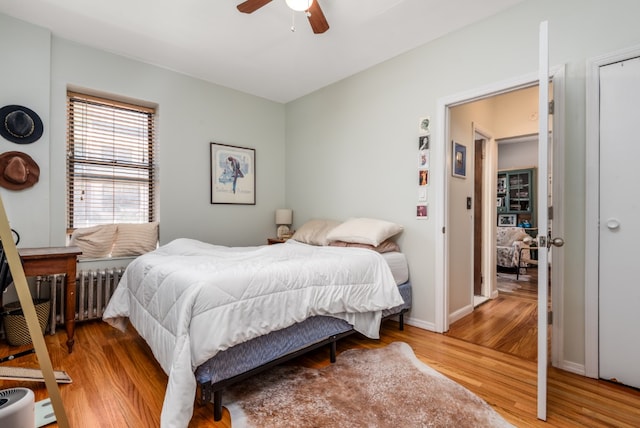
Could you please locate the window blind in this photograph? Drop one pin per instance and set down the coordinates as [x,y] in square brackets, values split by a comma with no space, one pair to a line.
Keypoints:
[110,162]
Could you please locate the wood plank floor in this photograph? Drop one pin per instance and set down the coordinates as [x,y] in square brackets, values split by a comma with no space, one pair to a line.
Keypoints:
[508,323]
[117,382]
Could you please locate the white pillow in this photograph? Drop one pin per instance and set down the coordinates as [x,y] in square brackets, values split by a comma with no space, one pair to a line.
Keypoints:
[314,232]
[95,242]
[364,231]
[135,239]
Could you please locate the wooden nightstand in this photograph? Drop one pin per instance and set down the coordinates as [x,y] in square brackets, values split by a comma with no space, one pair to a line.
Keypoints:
[272,241]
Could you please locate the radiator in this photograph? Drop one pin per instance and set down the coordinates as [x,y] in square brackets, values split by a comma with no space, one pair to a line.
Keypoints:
[94,288]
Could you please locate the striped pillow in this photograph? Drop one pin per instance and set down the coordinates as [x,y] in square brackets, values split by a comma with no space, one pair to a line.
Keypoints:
[95,242]
[135,239]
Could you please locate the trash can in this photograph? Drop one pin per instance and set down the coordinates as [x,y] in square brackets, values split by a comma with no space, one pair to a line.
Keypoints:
[15,324]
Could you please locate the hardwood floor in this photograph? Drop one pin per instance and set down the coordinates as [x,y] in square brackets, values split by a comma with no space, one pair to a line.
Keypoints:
[507,323]
[117,382]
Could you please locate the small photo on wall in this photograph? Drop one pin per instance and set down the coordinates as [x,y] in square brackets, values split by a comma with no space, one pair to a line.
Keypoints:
[424,125]
[421,211]
[423,177]
[423,142]
[423,158]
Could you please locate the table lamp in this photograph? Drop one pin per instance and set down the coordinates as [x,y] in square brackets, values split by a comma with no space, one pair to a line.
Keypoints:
[284,217]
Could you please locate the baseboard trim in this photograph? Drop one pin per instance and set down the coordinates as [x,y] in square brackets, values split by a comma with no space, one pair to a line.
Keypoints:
[421,324]
[572,367]
[460,313]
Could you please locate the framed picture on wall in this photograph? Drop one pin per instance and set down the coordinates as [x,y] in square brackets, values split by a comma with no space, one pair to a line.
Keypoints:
[423,142]
[233,175]
[421,211]
[507,219]
[502,184]
[459,160]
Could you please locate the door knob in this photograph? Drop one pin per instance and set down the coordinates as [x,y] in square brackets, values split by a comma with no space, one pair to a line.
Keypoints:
[556,242]
[613,224]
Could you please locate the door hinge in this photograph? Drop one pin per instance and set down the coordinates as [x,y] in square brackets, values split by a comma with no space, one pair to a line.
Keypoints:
[443,230]
[550,213]
[551,106]
[550,317]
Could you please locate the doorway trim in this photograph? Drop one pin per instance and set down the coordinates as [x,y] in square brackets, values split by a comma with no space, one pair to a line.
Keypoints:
[443,158]
[489,211]
[592,205]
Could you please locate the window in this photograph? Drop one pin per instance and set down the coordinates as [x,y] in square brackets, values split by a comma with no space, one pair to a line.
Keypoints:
[110,162]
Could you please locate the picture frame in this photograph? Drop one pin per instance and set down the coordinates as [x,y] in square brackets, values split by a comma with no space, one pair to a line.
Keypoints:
[423,125]
[502,184]
[423,142]
[423,159]
[507,220]
[459,160]
[233,174]
[499,202]
[423,177]
[422,211]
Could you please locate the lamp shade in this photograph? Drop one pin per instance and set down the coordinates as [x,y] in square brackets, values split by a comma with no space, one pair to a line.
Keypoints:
[284,216]
[299,5]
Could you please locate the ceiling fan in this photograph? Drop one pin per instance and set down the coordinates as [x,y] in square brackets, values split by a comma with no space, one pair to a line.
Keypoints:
[316,18]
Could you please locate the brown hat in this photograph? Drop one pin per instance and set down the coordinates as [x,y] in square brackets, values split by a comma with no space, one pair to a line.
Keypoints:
[18,171]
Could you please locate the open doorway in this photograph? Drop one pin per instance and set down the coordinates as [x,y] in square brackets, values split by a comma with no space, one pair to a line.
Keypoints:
[454,263]
[506,282]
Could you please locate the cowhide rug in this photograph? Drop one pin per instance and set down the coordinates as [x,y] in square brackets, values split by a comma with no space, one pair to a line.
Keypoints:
[384,387]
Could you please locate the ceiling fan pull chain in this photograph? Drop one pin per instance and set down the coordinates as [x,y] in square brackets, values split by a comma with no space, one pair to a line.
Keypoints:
[293,22]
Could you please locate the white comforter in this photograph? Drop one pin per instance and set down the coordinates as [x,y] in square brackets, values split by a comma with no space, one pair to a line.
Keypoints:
[189,300]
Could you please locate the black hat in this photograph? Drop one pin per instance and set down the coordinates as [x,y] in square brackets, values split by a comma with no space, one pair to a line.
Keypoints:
[20,124]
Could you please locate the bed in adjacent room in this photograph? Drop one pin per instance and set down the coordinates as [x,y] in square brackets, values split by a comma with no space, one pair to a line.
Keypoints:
[213,314]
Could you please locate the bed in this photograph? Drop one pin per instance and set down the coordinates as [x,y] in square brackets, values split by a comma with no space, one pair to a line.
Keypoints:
[249,358]
[213,315]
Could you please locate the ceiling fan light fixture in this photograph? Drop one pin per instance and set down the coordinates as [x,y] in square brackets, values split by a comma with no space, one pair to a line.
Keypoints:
[299,5]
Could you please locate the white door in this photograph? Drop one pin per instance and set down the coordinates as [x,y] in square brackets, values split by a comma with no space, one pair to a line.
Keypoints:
[544,236]
[619,293]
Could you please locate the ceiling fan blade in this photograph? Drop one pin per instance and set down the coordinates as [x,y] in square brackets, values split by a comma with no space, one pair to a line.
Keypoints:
[317,20]
[250,6]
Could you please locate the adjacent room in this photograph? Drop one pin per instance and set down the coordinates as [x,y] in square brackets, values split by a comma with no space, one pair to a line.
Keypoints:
[211,206]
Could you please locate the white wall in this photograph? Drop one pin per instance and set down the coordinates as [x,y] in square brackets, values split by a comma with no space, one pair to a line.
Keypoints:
[191,114]
[24,80]
[518,155]
[351,146]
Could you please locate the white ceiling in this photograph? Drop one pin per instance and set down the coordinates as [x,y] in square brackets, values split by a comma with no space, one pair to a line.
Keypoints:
[255,53]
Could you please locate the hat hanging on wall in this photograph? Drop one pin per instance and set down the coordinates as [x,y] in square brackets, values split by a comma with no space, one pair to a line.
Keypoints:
[20,124]
[18,171]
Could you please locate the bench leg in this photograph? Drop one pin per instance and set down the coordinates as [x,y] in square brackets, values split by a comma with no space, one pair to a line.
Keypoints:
[217,405]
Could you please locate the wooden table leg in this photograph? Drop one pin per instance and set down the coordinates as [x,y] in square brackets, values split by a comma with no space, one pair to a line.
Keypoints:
[70,310]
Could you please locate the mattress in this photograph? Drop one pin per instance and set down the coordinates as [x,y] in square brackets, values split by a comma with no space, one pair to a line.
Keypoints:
[398,264]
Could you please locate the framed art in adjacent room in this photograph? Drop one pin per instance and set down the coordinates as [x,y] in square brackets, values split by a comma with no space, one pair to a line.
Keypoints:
[502,184]
[233,175]
[507,219]
[459,160]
